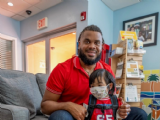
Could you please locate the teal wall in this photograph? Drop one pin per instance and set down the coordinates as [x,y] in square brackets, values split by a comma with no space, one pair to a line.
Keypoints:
[102,16]
[151,59]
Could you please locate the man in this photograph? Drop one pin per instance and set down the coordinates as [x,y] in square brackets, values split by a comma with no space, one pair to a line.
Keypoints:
[68,84]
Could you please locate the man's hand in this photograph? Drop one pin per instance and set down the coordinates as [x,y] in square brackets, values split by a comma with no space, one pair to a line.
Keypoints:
[77,111]
[124,109]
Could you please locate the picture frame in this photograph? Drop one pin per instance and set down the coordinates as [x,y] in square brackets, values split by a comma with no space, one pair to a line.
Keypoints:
[145,28]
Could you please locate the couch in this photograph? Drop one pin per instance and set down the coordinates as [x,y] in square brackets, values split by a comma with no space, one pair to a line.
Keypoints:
[21,95]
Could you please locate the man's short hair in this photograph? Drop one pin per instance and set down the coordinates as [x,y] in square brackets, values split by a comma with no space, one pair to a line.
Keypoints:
[91,28]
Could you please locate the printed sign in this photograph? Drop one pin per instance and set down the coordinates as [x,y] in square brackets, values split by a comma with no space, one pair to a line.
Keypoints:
[128,35]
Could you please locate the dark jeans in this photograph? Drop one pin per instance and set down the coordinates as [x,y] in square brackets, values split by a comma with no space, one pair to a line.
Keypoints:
[135,114]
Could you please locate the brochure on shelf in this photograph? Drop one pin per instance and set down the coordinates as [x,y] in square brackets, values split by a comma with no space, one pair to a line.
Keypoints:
[130,45]
[117,52]
[127,35]
[139,44]
[132,69]
[119,70]
[118,89]
[131,94]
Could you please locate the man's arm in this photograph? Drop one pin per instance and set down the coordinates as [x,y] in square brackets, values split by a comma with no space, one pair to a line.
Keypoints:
[49,105]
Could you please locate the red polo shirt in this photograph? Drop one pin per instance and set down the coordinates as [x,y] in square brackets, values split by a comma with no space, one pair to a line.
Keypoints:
[69,80]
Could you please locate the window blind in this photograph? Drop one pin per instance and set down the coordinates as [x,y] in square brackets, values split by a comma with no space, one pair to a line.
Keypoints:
[6,59]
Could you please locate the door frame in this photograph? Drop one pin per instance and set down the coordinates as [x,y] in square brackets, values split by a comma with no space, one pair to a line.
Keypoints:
[47,47]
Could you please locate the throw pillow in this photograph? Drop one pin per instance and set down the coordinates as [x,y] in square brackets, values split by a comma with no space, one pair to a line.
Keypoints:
[17,91]
[42,80]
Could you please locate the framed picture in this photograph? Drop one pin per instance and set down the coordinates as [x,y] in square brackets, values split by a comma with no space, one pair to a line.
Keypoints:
[145,28]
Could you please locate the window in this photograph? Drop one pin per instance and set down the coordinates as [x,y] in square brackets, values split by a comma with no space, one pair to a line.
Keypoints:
[7,52]
[36,61]
[6,61]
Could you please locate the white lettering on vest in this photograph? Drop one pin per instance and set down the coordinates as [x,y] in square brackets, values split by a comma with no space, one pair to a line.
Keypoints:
[108,117]
[100,117]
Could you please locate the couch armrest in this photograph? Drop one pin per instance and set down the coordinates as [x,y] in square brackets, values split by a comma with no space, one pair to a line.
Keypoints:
[12,112]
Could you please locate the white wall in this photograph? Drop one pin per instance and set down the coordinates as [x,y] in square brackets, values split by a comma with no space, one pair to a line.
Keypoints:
[60,15]
[102,16]
[11,28]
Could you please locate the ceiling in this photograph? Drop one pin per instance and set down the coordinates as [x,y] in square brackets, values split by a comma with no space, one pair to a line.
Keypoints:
[18,10]
[118,4]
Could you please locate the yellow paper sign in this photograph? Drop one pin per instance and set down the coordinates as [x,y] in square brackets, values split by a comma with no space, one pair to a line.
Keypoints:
[130,69]
[128,35]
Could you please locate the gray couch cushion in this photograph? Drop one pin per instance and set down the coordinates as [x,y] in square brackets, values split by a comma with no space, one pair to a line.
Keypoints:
[40,117]
[5,114]
[21,89]
[42,80]
[12,112]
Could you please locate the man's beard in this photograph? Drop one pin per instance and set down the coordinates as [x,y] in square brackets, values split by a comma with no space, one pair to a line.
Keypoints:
[87,61]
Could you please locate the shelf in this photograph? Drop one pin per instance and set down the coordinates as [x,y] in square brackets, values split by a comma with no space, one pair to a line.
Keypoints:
[136,55]
[115,56]
[133,52]
[118,78]
[130,78]
[133,77]
[136,52]
[133,101]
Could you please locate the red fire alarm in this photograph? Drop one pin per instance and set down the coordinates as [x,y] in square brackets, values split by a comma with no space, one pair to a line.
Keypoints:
[83,16]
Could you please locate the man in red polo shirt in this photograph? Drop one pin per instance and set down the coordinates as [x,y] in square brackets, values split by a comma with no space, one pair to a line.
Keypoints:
[68,85]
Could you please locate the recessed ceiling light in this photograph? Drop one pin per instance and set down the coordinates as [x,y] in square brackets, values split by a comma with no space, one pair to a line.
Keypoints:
[10,4]
[74,33]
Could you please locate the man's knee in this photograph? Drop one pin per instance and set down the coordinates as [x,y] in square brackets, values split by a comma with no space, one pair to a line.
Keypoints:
[143,114]
[61,115]
[140,112]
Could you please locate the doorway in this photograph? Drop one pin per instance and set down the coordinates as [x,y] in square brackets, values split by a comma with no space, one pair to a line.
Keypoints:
[43,54]
[36,57]
[62,48]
